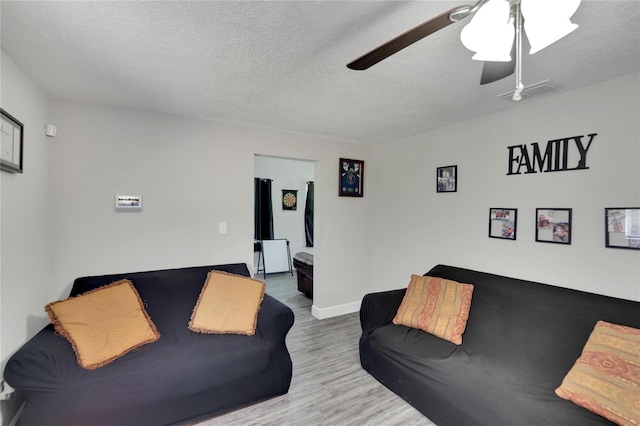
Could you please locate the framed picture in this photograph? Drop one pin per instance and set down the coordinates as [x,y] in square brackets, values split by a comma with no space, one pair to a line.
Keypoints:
[11,148]
[351,178]
[503,223]
[622,227]
[447,179]
[128,203]
[553,226]
[289,199]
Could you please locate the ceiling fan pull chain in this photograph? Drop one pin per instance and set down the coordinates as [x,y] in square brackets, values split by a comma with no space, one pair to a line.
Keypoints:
[517,95]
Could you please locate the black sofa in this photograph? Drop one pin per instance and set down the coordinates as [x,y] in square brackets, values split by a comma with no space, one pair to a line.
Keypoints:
[520,341]
[184,376]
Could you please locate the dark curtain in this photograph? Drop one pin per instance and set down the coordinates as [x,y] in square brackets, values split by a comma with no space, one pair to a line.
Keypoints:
[263,210]
[308,215]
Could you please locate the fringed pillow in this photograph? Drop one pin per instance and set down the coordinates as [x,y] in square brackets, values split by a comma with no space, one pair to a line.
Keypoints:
[437,306]
[606,377]
[228,303]
[103,324]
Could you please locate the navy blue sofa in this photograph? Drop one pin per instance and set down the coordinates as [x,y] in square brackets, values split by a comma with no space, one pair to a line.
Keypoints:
[521,339]
[182,377]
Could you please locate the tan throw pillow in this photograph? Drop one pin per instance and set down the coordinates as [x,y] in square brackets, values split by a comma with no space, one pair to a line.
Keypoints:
[228,303]
[437,306]
[606,377]
[103,324]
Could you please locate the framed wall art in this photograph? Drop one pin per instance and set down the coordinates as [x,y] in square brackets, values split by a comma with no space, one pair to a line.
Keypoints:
[11,143]
[503,223]
[553,226]
[351,178]
[447,179]
[622,227]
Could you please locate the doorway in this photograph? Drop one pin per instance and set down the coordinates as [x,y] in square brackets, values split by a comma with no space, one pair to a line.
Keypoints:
[290,182]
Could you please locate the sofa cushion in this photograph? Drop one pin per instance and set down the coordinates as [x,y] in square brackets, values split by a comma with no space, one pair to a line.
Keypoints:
[437,306]
[103,324]
[606,377]
[228,303]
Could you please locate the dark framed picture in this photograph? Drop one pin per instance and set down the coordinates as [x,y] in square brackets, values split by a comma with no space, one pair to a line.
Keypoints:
[351,178]
[289,199]
[503,223]
[11,148]
[553,226]
[447,179]
[622,227]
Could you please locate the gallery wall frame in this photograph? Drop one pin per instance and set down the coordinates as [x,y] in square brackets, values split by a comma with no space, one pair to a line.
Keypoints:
[622,227]
[12,143]
[447,179]
[503,223]
[553,225]
[350,178]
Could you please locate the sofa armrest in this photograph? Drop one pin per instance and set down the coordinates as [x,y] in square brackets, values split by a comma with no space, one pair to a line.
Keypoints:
[275,319]
[379,308]
[41,363]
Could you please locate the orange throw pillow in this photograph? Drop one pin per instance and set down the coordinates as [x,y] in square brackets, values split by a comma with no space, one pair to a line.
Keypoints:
[437,306]
[103,324]
[228,303]
[606,377]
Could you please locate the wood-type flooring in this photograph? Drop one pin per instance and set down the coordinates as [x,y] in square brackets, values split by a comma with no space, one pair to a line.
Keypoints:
[329,387]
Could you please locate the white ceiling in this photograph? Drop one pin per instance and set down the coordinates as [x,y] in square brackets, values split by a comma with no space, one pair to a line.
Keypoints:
[282,64]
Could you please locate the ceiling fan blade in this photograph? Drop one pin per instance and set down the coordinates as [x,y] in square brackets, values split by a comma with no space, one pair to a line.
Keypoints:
[494,71]
[405,39]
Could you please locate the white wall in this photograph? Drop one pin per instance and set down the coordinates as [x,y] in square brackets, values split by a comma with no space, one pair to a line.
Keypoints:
[24,231]
[192,174]
[415,228]
[287,174]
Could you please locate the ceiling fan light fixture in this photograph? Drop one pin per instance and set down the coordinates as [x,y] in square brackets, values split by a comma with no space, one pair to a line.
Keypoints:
[498,46]
[490,33]
[547,21]
[545,34]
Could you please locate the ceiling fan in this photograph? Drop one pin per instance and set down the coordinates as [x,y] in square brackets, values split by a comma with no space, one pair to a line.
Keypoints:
[491,34]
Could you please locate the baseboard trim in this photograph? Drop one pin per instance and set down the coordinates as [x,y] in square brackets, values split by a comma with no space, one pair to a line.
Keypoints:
[335,311]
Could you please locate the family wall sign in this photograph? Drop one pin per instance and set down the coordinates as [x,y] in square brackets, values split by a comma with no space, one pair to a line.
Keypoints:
[558,155]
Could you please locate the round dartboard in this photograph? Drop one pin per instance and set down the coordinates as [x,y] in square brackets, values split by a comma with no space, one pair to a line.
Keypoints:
[289,199]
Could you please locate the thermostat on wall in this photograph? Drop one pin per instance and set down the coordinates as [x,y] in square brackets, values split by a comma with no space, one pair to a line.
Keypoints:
[128,202]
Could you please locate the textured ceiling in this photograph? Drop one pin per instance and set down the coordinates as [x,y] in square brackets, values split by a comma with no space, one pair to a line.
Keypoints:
[281,64]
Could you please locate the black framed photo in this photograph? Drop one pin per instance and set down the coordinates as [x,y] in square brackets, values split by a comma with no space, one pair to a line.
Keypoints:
[12,141]
[622,227]
[503,223]
[447,179]
[553,225]
[289,199]
[351,178]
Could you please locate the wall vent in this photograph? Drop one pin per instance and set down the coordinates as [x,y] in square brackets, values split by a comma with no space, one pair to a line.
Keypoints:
[532,90]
